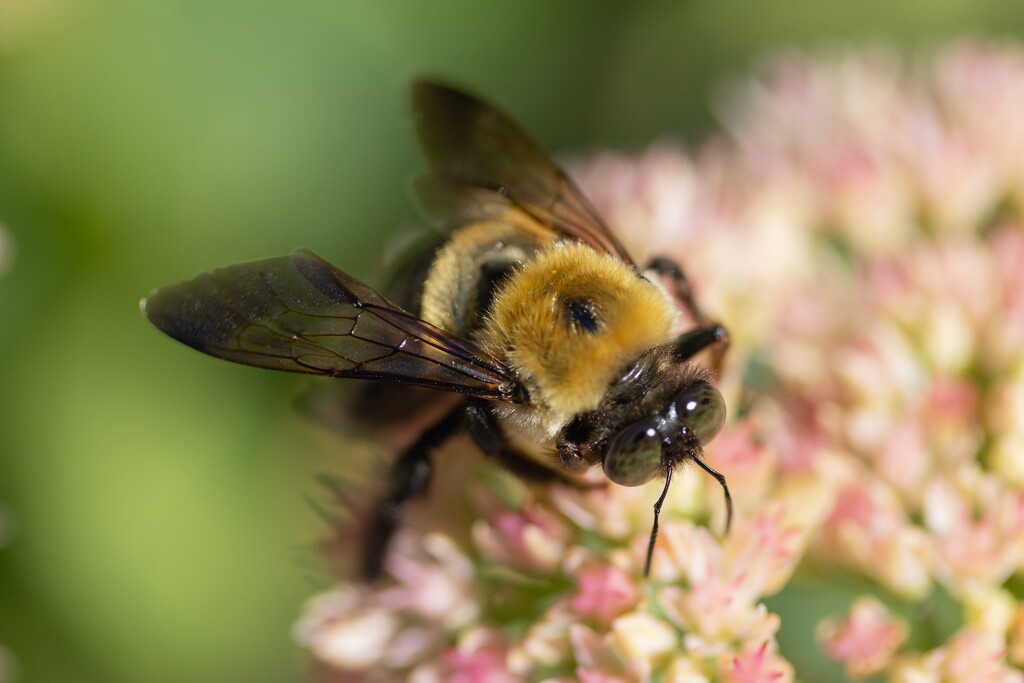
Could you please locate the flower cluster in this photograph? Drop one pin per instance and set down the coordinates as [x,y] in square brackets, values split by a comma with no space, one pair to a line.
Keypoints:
[857,226]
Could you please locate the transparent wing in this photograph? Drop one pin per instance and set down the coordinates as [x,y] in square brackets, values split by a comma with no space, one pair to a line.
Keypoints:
[481,163]
[299,313]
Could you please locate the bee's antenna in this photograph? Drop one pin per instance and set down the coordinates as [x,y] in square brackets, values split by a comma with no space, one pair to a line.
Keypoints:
[721,481]
[654,529]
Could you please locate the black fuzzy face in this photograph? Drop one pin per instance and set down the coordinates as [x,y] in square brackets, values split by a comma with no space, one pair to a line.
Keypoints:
[644,391]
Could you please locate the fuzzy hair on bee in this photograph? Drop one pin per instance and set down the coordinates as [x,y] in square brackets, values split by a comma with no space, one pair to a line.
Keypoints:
[569,320]
[530,309]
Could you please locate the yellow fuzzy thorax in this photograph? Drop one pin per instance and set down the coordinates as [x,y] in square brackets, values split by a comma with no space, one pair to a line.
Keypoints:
[566,367]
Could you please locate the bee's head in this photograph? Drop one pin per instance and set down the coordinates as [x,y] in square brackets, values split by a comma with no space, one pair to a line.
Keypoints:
[667,413]
[640,449]
[659,413]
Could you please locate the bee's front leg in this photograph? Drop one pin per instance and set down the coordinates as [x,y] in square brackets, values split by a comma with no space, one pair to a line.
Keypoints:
[410,476]
[692,342]
[710,333]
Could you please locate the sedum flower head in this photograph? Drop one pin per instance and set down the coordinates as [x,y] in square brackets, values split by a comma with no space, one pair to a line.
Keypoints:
[857,226]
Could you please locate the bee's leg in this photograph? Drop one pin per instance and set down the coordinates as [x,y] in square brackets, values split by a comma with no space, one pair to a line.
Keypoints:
[709,332]
[681,288]
[573,442]
[410,476]
[692,342]
[491,439]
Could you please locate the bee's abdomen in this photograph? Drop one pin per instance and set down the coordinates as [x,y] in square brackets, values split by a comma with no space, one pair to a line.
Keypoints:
[468,271]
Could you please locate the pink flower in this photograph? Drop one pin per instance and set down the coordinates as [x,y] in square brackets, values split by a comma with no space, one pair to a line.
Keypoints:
[595,656]
[358,629]
[483,665]
[604,593]
[866,640]
[765,551]
[975,655]
[978,525]
[758,665]
[586,676]
[868,529]
[480,656]
[720,603]
[532,538]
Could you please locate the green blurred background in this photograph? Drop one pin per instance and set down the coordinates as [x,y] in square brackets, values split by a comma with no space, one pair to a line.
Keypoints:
[153,500]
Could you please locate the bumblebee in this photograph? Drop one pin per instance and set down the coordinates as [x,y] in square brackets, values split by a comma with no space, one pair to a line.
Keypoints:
[560,345]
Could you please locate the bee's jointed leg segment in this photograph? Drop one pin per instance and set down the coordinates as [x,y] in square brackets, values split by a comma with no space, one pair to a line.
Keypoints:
[410,476]
[680,286]
[692,342]
[490,438]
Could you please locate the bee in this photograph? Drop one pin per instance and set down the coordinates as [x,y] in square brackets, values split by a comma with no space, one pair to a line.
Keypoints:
[561,347]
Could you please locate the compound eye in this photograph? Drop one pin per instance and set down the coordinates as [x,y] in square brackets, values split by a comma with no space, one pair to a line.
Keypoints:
[701,409]
[634,455]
